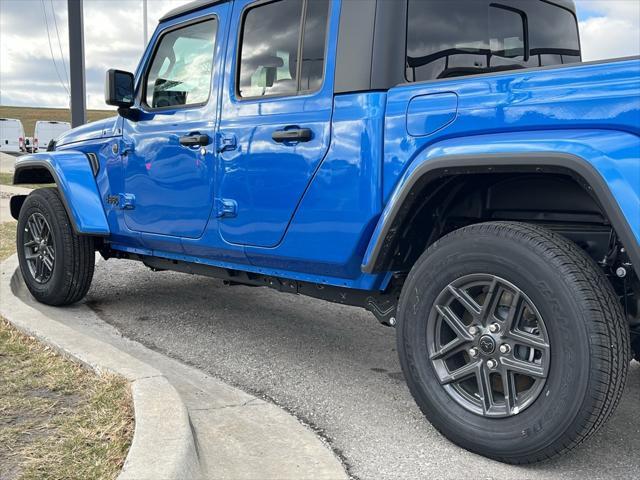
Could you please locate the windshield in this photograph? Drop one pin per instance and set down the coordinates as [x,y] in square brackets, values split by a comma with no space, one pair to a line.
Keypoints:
[450,38]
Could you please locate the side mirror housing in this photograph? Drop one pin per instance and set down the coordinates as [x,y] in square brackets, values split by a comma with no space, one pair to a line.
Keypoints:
[119,88]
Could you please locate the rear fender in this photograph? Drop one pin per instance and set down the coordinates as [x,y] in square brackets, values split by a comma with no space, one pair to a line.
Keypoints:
[73,175]
[606,162]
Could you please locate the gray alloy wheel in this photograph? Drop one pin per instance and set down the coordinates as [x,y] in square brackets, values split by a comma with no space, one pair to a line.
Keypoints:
[488,345]
[39,248]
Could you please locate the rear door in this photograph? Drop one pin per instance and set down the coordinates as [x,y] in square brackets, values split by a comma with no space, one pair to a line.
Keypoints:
[170,153]
[276,119]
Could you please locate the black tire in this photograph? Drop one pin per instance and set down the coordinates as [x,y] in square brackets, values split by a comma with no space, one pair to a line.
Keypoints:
[71,272]
[588,339]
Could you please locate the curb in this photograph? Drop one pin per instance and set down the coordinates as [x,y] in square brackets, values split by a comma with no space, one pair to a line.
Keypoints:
[163,445]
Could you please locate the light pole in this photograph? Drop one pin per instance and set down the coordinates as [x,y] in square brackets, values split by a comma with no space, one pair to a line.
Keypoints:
[76,63]
[144,24]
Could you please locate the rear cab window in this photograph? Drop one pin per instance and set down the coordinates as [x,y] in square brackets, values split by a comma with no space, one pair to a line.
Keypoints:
[453,38]
[282,48]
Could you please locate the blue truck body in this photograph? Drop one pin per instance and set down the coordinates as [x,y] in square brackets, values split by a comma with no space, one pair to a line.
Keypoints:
[294,201]
[490,212]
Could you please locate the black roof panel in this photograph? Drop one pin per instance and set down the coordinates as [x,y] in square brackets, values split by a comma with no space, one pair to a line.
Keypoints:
[190,7]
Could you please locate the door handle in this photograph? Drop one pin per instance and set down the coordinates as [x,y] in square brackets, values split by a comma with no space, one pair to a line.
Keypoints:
[195,140]
[293,135]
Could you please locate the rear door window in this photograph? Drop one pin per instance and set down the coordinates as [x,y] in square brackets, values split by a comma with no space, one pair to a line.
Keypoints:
[282,49]
[451,38]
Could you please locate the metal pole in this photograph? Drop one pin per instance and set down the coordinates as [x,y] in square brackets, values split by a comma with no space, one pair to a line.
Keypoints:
[144,23]
[76,63]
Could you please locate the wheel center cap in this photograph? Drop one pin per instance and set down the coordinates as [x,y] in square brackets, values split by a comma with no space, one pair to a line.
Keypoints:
[487,344]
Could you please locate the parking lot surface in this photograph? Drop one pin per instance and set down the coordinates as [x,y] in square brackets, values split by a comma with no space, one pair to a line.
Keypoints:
[334,367]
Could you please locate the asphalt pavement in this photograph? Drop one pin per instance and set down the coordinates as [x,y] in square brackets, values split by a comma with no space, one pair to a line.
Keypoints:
[334,367]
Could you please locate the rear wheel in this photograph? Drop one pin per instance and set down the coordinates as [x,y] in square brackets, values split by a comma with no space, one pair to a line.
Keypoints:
[56,264]
[512,341]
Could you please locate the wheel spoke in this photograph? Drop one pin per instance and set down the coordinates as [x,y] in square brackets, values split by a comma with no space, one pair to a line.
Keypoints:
[509,390]
[48,262]
[483,376]
[529,340]
[45,233]
[489,301]
[34,230]
[461,373]
[450,349]
[524,368]
[514,311]
[39,265]
[465,299]
[457,325]
[31,256]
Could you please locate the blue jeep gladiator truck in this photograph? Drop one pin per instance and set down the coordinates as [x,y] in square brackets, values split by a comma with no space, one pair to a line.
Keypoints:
[450,166]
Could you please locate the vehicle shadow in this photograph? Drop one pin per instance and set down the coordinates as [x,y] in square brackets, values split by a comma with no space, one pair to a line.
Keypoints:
[334,367]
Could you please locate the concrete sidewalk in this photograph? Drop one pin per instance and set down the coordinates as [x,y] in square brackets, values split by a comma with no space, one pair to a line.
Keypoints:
[234,435]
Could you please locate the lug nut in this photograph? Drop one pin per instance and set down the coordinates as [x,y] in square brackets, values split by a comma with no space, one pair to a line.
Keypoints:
[504,348]
[492,364]
[473,352]
[494,328]
[474,330]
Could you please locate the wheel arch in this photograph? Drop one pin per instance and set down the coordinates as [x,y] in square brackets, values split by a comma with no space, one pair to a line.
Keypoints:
[432,180]
[73,173]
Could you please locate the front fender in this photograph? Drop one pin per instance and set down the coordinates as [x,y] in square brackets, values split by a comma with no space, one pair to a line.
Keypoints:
[72,173]
[607,161]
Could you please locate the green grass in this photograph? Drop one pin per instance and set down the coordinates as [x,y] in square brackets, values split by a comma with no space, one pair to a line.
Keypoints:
[7,240]
[57,419]
[7,179]
[28,116]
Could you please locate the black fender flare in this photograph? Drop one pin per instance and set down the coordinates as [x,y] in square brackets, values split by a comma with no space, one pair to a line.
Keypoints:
[553,162]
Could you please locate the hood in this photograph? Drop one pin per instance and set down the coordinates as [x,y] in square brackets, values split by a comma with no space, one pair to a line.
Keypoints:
[109,127]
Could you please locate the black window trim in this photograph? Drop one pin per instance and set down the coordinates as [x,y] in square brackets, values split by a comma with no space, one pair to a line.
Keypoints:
[299,92]
[145,76]
[484,74]
[525,27]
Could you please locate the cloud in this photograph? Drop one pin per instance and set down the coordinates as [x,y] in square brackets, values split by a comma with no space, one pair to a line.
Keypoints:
[609,29]
[113,39]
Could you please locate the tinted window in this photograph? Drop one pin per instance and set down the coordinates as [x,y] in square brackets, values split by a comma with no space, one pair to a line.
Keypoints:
[180,72]
[449,38]
[271,35]
[313,51]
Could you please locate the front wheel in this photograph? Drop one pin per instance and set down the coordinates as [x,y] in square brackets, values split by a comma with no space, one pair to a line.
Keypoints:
[512,341]
[56,264]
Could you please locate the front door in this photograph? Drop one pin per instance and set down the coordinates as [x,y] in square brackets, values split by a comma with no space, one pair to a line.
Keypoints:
[170,158]
[276,119]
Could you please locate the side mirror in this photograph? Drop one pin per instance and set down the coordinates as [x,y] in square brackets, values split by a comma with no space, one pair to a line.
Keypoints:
[119,89]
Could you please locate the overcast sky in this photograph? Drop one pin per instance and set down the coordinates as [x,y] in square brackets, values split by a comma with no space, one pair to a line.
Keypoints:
[113,39]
